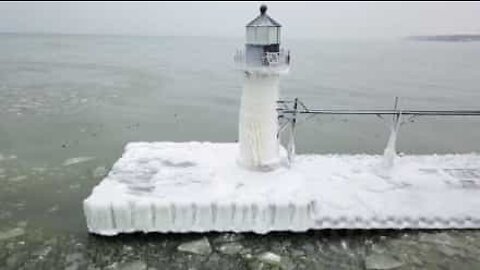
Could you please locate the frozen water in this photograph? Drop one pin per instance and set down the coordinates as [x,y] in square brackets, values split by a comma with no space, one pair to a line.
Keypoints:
[42,251]
[144,192]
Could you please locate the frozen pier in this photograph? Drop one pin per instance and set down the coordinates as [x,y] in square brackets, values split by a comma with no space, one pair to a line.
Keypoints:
[198,187]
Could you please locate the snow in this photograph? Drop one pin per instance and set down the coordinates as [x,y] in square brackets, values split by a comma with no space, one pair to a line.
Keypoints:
[195,186]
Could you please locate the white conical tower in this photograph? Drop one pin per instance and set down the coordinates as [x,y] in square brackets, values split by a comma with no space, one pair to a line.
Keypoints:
[262,63]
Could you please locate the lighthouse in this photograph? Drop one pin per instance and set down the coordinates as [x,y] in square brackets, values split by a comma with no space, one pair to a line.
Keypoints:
[262,63]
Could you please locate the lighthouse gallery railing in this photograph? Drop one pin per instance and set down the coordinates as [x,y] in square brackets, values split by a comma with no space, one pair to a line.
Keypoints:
[268,58]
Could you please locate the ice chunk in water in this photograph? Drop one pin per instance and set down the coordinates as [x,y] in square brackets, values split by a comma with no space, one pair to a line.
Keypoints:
[382,261]
[231,248]
[201,247]
[270,258]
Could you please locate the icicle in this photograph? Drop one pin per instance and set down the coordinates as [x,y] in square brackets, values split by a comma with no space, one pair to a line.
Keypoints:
[390,152]
[291,145]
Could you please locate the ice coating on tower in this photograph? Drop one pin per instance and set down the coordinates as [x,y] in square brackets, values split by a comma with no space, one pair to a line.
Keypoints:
[258,125]
[262,64]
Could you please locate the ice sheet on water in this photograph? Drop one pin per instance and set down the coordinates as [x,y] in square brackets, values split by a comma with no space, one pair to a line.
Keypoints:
[4,158]
[12,233]
[36,100]
[99,172]
[76,160]
[18,178]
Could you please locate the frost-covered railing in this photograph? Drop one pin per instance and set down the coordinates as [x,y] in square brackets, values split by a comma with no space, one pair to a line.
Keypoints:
[288,111]
[268,59]
[276,58]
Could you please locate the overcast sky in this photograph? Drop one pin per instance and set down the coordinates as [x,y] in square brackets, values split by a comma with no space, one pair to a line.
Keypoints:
[300,19]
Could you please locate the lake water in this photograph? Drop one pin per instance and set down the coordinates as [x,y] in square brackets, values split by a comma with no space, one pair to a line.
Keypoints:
[69,104]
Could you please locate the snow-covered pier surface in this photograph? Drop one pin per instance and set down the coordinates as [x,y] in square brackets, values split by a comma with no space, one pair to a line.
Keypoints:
[198,187]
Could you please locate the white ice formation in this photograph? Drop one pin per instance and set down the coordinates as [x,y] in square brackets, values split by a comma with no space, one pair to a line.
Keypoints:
[198,187]
[258,124]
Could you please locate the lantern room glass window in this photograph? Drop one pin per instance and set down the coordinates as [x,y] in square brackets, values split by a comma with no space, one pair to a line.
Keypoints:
[258,35]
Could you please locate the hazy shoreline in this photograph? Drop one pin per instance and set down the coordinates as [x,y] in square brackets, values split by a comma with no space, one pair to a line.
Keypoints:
[447,38]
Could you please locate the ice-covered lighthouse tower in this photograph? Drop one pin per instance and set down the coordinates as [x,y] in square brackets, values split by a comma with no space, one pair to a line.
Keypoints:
[262,63]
